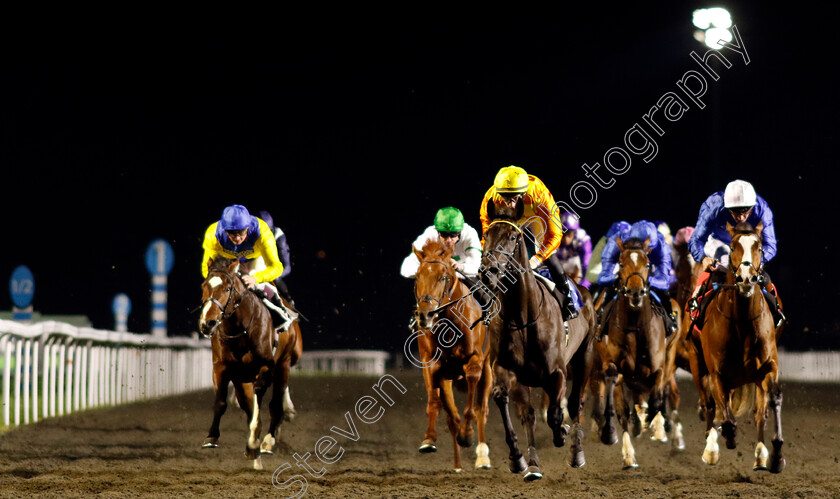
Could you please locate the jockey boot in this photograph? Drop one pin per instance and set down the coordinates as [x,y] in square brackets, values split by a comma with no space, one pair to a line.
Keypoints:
[778,316]
[281,316]
[668,315]
[604,314]
[562,288]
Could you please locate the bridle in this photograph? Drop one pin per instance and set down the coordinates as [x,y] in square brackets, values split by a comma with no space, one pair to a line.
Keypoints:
[450,285]
[225,314]
[624,290]
[759,270]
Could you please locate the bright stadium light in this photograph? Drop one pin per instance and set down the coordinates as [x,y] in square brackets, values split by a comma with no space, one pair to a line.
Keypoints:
[712,26]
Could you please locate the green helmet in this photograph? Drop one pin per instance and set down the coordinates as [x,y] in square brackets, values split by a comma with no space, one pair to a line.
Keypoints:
[449,219]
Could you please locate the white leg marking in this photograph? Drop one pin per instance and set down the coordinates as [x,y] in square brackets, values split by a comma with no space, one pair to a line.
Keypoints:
[761,455]
[628,453]
[711,454]
[657,426]
[482,457]
[253,439]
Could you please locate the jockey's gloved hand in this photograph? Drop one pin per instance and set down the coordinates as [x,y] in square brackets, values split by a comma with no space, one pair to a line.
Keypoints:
[535,262]
[249,280]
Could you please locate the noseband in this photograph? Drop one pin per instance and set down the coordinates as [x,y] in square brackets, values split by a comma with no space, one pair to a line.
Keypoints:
[226,315]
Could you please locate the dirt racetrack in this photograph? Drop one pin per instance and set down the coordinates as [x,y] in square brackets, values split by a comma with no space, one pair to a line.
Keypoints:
[153,449]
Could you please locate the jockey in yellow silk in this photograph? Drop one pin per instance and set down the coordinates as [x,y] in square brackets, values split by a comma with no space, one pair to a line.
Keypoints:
[240,236]
[513,186]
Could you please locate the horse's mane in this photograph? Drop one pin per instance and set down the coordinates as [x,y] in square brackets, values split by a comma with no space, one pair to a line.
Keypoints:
[220,263]
[634,243]
[744,228]
[433,246]
[505,212]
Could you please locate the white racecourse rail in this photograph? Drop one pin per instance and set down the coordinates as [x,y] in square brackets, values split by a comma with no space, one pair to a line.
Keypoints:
[57,368]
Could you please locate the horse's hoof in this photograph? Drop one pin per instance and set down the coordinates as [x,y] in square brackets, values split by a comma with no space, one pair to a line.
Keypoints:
[210,443]
[257,463]
[578,460]
[609,436]
[483,463]
[427,447]
[777,464]
[482,457]
[711,458]
[457,470]
[465,440]
[560,435]
[267,445]
[252,453]
[533,473]
[518,465]
[630,466]
[289,415]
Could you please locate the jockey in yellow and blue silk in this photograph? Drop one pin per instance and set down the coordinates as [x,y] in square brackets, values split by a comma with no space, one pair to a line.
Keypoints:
[239,235]
[512,186]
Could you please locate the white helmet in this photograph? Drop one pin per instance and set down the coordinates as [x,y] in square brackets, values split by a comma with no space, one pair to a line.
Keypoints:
[739,194]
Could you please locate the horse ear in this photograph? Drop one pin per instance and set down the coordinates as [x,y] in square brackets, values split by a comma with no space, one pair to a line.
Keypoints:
[417,252]
[234,265]
[730,229]
[646,246]
[619,243]
[491,209]
[447,253]
[759,228]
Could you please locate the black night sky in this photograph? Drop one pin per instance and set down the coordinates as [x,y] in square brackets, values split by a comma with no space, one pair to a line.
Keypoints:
[352,128]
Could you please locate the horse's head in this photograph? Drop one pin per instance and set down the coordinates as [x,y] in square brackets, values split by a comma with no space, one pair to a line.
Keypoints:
[221,294]
[634,270]
[503,245]
[434,281]
[746,256]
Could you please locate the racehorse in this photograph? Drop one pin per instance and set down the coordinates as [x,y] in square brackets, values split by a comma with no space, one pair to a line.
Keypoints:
[637,358]
[451,346]
[686,270]
[529,343]
[737,347]
[247,353]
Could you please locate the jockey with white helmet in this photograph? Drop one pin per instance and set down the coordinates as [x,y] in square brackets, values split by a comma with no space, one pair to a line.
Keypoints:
[738,203]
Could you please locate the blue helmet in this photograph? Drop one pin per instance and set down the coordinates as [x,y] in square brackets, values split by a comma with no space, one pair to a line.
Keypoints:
[644,230]
[235,217]
[617,228]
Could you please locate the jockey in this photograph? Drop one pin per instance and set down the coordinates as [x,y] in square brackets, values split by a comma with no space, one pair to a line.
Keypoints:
[738,203]
[575,250]
[659,255]
[453,232]
[239,235]
[283,253]
[595,265]
[513,185]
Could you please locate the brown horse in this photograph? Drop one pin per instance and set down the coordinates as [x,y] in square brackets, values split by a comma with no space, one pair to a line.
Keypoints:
[637,358]
[737,347]
[450,349]
[529,343]
[246,353]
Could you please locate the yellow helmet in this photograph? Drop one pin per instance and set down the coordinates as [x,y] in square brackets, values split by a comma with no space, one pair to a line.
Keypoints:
[511,180]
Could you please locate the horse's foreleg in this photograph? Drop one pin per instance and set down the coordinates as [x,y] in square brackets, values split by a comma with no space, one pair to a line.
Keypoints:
[522,397]
[485,385]
[677,439]
[250,405]
[657,413]
[473,375]
[433,406]
[277,407]
[722,399]
[608,433]
[220,387]
[501,395]
[623,402]
[581,368]
[760,416]
[452,420]
[771,386]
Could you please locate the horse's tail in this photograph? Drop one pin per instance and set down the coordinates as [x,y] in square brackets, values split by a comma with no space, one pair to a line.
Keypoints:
[743,399]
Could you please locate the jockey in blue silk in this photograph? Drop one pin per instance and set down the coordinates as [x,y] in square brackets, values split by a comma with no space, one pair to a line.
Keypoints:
[741,205]
[709,244]
[659,255]
[239,235]
[595,266]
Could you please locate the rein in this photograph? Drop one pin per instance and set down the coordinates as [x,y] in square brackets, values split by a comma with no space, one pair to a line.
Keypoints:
[223,308]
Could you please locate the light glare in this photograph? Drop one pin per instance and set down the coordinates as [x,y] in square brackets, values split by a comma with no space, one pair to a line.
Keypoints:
[716,35]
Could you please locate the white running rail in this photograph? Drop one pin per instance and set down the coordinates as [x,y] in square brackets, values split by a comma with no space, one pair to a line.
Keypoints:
[51,368]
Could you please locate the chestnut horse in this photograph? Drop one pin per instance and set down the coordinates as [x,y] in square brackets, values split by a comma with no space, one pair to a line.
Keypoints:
[450,348]
[246,353]
[637,358]
[529,343]
[737,347]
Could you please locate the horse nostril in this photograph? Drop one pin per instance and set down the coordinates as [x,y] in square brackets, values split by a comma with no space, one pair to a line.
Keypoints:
[211,324]
[493,270]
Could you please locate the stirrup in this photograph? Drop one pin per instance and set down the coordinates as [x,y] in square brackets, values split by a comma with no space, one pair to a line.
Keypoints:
[782,318]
